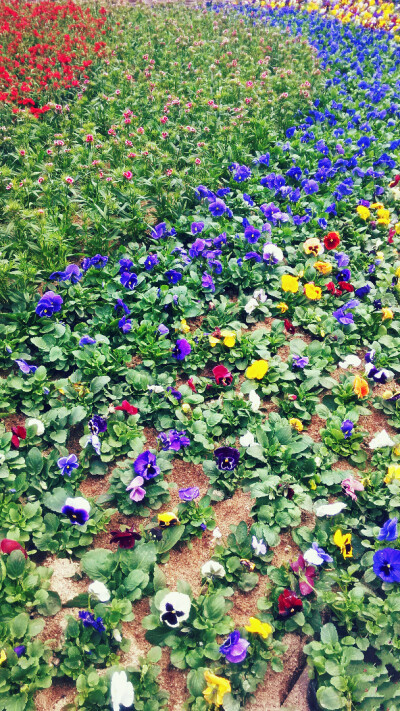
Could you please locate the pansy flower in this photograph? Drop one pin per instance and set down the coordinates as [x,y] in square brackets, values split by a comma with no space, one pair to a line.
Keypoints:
[167,519]
[189,494]
[290,283]
[343,541]
[77,509]
[125,539]
[331,240]
[137,492]
[145,465]
[222,375]
[68,464]
[89,620]
[255,626]
[18,432]
[216,689]
[312,291]
[175,609]
[227,458]
[386,565]
[306,572]
[257,370]
[389,531]
[234,648]
[289,603]
[8,545]
[181,349]
[97,424]
[49,304]
[126,407]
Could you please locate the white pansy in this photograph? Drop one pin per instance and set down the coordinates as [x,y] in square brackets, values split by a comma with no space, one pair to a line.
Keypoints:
[217,533]
[258,546]
[78,502]
[382,439]
[213,569]
[99,590]
[254,401]
[175,608]
[250,306]
[318,461]
[247,440]
[330,509]
[272,252]
[312,557]
[260,295]
[117,635]
[39,425]
[122,692]
[155,388]
[350,361]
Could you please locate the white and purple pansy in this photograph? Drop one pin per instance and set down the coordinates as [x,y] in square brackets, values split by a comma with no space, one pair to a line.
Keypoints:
[77,509]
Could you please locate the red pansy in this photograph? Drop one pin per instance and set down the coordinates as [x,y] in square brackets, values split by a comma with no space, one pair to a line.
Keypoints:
[331,240]
[7,546]
[222,375]
[126,407]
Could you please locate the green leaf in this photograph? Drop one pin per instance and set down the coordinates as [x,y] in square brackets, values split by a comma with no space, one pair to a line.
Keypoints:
[16,563]
[171,536]
[214,607]
[329,634]
[230,703]
[77,414]
[81,600]
[196,682]
[55,500]
[98,564]
[19,625]
[34,461]
[51,605]
[329,699]
[154,655]
[99,383]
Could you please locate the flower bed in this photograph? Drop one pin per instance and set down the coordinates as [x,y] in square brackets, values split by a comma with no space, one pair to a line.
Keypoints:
[248,343]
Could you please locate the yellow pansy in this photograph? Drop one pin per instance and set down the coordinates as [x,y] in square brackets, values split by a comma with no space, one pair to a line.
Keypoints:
[229,338]
[290,283]
[257,370]
[393,474]
[363,212]
[376,205]
[397,228]
[167,519]
[186,408]
[386,313]
[387,394]
[383,214]
[213,341]
[396,450]
[184,327]
[3,656]
[323,267]
[312,292]
[284,307]
[344,543]
[313,485]
[296,424]
[380,256]
[360,387]
[216,688]
[312,245]
[255,626]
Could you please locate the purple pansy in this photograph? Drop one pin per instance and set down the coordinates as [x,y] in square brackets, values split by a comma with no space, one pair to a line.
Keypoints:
[234,648]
